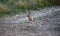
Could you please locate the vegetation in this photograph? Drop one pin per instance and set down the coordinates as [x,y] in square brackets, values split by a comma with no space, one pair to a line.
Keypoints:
[55,2]
[12,7]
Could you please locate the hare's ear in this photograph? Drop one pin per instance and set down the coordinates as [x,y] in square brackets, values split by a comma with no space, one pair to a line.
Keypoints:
[28,15]
[29,12]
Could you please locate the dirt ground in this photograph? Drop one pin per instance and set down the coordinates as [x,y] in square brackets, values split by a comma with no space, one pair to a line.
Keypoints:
[45,26]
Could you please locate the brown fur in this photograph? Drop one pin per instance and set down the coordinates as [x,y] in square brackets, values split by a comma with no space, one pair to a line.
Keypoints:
[30,17]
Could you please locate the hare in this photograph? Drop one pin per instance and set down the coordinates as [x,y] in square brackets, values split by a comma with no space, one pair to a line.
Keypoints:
[30,17]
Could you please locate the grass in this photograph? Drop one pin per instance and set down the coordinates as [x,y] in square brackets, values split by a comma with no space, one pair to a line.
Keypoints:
[12,7]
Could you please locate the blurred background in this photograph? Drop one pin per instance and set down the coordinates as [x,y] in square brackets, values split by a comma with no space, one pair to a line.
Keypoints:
[14,20]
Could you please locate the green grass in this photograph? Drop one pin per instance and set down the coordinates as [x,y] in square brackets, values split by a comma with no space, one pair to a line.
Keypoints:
[17,6]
